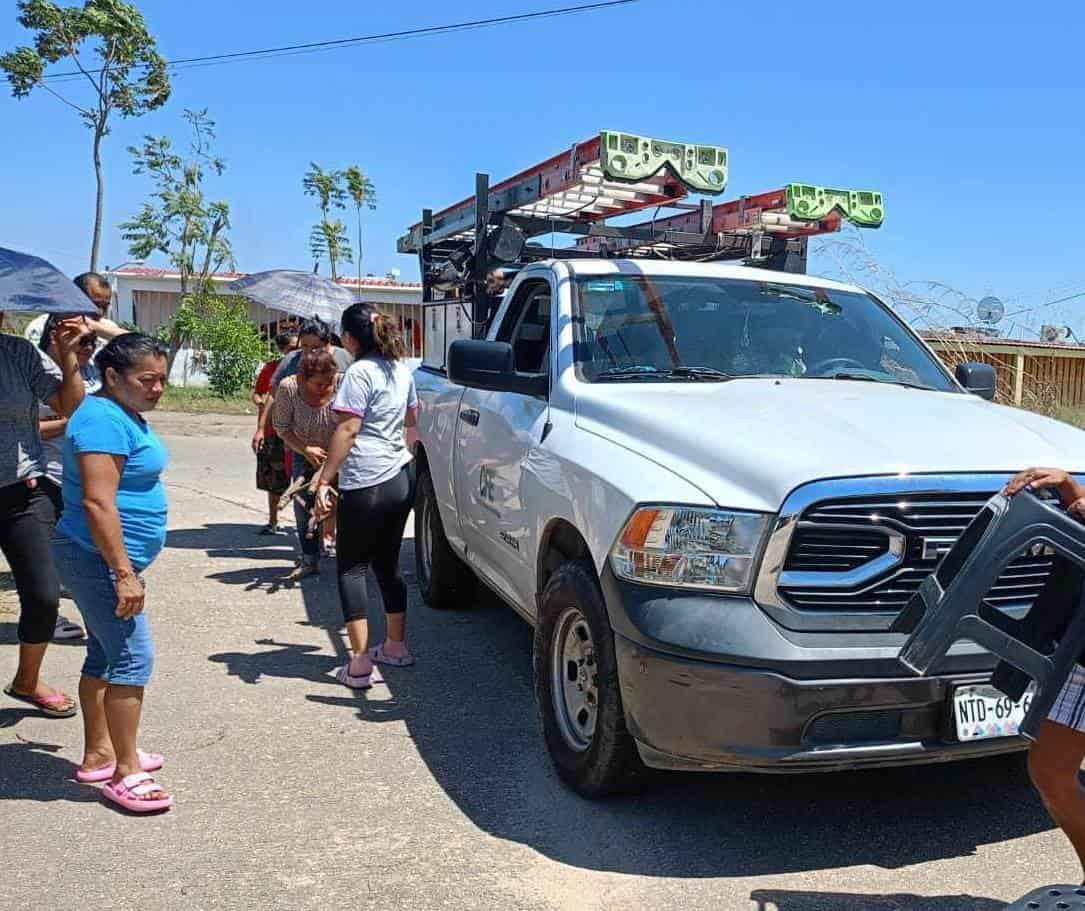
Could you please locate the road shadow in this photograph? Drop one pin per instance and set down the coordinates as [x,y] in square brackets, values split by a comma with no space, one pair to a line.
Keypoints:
[785,900]
[279,659]
[33,771]
[266,561]
[469,708]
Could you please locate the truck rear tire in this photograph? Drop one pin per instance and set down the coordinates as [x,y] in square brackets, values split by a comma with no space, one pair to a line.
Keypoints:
[444,579]
[576,686]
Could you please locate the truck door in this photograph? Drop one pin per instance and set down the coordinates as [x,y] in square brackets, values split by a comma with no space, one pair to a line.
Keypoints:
[496,434]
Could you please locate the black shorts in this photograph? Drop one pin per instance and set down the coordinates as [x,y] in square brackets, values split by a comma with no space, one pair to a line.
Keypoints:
[271,472]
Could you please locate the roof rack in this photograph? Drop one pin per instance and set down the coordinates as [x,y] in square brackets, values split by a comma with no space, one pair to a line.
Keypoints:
[614,174]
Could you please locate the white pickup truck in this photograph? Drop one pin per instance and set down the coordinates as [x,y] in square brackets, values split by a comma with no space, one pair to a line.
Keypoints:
[711,489]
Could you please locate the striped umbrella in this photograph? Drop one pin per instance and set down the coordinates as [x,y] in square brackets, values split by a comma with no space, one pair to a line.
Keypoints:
[28,283]
[299,293]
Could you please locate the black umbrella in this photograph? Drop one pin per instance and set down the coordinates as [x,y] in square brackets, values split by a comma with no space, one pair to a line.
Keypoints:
[31,284]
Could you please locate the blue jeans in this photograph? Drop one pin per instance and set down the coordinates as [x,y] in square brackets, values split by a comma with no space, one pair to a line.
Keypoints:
[310,547]
[118,651]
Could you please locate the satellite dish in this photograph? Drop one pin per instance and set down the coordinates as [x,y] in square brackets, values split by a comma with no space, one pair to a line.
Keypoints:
[990,310]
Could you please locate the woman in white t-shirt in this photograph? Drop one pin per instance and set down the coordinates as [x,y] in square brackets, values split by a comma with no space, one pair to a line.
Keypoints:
[376,401]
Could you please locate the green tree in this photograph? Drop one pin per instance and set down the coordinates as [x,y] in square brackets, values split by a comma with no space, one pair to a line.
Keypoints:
[128,77]
[364,196]
[235,345]
[329,236]
[220,326]
[179,221]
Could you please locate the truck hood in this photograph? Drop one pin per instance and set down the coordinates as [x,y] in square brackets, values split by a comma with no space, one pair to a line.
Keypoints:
[747,443]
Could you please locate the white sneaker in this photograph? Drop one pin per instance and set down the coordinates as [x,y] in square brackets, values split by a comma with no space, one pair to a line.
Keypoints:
[67,629]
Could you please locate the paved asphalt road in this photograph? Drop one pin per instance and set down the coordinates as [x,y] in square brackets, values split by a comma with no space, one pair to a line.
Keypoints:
[434,791]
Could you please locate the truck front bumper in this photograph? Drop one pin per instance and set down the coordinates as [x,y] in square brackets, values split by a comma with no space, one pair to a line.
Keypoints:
[696,715]
[712,683]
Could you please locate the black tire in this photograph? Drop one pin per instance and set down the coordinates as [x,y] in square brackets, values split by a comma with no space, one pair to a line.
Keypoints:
[608,762]
[444,579]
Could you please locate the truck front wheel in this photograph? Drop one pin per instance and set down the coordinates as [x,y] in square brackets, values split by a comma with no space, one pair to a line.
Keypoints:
[576,686]
[443,578]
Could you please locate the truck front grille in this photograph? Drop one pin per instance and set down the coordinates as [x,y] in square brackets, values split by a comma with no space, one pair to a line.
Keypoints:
[838,536]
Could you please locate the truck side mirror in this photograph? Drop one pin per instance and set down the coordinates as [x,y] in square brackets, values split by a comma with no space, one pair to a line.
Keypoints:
[979,379]
[492,366]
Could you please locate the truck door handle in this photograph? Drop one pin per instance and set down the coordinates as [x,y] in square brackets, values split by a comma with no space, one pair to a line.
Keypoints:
[470,415]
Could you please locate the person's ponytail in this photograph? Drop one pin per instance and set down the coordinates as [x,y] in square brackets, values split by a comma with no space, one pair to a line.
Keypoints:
[375,333]
[387,339]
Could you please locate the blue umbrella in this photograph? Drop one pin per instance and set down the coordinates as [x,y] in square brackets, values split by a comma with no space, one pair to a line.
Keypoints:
[299,293]
[29,283]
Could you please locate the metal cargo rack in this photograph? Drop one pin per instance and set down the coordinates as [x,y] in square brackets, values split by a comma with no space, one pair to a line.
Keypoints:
[610,175]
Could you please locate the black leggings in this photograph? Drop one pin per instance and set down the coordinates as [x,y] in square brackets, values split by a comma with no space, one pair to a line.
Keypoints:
[370,532]
[26,524]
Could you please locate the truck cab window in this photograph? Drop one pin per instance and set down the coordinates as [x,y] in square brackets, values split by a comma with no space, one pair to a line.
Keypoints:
[527,327]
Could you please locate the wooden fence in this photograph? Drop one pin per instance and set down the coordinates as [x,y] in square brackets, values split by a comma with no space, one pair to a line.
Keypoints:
[1033,374]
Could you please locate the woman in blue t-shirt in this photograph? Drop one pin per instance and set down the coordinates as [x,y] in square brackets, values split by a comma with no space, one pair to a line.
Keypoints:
[112,528]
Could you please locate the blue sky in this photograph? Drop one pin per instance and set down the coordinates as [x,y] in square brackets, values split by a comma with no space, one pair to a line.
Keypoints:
[967,116]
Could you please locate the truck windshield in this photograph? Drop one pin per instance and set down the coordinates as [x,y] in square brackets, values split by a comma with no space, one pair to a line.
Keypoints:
[683,329]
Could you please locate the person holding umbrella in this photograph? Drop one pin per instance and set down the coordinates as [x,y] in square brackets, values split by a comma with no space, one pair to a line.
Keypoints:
[28,283]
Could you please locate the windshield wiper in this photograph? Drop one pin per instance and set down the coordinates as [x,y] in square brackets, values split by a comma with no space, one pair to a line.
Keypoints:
[648,372]
[866,377]
[705,374]
[632,372]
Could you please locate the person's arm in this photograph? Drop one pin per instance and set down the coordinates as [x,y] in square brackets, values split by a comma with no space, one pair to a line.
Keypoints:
[1056,479]
[410,421]
[106,329]
[69,396]
[283,422]
[101,474]
[51,428]
[346,432]
[261,424]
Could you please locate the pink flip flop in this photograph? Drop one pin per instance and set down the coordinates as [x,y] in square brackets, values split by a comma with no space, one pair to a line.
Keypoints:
[148,762]
[378,655]
[360,682]
[131,793]
[47,705]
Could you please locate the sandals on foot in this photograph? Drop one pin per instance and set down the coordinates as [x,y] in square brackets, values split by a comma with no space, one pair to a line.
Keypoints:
[149,762]
[378,655]
[133,792]
[360,682]
[47,705]
[303,571]
[67,629]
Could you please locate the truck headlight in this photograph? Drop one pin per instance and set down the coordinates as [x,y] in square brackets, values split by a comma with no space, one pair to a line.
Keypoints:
[689,547]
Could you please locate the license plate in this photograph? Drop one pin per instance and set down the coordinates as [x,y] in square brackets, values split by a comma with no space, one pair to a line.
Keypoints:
[982,712]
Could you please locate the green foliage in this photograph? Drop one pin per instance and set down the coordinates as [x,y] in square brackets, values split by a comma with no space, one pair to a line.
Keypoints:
[360,188]
[127,74]
[221,325]
[179,221]
[328,239]
[363,194]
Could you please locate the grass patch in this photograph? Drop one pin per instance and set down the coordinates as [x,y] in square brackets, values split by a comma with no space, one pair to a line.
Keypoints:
[191,400]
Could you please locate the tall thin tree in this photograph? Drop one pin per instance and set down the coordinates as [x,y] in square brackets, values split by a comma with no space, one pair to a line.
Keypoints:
[179,221]
[364,196]
[128,77]
[329,235]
